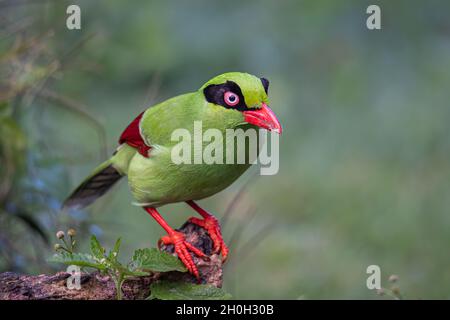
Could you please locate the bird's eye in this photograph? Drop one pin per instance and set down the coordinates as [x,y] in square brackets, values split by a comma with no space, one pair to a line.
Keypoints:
[231,98]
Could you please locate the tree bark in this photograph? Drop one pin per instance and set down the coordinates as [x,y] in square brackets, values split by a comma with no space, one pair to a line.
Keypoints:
[94,286]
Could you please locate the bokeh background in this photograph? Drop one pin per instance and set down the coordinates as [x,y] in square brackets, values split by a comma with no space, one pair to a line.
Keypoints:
[364,158]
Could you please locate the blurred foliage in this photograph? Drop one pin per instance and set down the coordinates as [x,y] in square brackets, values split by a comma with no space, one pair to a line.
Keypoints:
[364,174]
[28,206]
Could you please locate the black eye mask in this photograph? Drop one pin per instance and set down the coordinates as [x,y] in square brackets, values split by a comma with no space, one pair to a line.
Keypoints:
[214,94]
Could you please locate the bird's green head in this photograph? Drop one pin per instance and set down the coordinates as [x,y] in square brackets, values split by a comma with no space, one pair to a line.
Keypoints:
[244,93]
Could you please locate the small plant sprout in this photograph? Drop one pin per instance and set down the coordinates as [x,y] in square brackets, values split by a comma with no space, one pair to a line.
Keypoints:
[66,246]
[72,233]
[394,290]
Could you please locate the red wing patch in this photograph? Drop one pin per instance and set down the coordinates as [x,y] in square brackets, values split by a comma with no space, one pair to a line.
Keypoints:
[132,136]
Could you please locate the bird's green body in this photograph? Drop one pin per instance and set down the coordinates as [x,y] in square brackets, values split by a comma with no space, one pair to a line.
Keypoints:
[156,180]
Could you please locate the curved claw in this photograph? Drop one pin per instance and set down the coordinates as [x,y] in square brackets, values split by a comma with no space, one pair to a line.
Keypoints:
[182,248]
[211,225]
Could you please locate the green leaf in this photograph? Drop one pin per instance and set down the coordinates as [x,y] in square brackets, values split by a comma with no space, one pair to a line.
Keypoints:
[117,246]
[97,250]
[115,251]
[78,259]
[167,290]
[154,260]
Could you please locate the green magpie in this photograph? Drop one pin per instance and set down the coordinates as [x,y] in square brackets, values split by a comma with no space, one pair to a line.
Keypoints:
[229,101]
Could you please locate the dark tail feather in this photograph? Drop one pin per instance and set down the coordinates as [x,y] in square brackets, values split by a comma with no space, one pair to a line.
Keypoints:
[93,187]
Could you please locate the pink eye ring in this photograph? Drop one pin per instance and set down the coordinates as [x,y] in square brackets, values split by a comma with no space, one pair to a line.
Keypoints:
[231,98]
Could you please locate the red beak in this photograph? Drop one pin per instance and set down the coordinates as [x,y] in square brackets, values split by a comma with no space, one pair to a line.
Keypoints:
[264,118]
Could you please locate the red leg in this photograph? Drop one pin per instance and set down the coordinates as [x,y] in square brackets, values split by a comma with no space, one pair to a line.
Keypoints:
[181,246]
[211,225]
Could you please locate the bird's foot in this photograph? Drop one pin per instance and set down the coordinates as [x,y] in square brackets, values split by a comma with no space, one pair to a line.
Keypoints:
[182,248]
[211,225]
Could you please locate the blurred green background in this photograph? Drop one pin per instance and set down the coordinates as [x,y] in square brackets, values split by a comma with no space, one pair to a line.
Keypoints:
[364,157]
